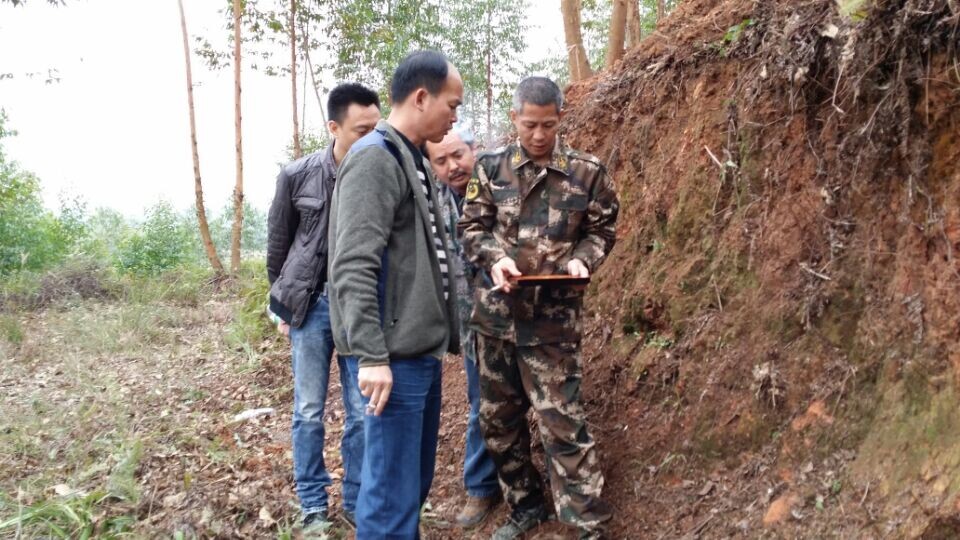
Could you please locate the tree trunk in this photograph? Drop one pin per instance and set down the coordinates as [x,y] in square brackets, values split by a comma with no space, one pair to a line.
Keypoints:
[297,149]
[316,88]
[238,188]
[634,27]
[489,81]
[208,246]
[618,27]
[577,55]
[661,10]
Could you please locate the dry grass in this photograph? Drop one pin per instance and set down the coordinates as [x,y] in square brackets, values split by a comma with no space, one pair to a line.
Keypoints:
[116,419]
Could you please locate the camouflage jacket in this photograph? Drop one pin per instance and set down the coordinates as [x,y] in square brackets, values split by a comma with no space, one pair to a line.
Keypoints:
[463,273]
[541,217]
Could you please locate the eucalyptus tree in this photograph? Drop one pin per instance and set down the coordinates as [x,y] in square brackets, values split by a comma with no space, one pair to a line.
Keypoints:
[483,38]
[202,224]
[573,35]
[486,39]
[369,38]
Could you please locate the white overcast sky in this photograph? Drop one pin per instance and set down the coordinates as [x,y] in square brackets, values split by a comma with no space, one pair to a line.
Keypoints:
[114,130]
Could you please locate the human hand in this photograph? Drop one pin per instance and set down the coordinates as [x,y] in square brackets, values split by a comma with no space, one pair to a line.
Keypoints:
[502,272]
[375,383]
[576,268]
[283,328]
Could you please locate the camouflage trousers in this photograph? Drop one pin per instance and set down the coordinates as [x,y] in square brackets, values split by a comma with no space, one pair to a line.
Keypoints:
[548,378]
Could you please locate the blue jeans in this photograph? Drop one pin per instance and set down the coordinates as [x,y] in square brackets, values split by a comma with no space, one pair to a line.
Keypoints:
[312,346]
[479,470]
[400,451]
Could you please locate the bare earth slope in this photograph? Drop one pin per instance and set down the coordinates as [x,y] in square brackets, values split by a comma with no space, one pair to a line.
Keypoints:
[773,347]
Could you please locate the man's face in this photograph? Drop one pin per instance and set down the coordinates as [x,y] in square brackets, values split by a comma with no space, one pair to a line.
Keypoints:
[537,127]
[440,111]
[357,122]
[452,160]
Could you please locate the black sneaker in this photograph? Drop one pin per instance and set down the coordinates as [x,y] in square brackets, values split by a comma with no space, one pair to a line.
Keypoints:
[315,524]
[521,522]
[349,517]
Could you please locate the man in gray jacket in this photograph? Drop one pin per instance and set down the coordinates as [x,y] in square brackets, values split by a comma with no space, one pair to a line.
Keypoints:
[392,306]
[297,271]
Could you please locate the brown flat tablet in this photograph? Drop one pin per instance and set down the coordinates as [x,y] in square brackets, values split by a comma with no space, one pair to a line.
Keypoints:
[558,280]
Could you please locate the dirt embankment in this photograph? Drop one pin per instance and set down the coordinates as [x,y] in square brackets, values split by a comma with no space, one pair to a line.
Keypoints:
[773,344]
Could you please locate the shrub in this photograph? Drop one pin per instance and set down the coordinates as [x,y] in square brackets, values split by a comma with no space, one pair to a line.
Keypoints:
[160,243]
[32,237]
[250,324]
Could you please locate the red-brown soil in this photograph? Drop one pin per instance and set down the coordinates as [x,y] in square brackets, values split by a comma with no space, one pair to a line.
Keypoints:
[772,346]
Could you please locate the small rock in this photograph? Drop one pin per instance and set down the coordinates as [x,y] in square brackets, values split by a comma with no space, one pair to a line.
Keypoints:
[253,413]
[63,490]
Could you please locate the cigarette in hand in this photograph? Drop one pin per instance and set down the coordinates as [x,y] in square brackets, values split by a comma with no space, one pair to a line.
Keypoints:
[498,287]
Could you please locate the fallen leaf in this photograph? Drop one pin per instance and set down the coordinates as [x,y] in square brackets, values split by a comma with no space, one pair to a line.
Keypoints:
[707,488]
[266,517]
[174,501]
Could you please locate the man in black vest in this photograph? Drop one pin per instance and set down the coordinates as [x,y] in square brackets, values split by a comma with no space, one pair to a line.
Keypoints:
[297,270]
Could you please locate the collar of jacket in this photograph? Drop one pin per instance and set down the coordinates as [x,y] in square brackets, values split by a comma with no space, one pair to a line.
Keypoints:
[329,163]
[409,167]
[558,160]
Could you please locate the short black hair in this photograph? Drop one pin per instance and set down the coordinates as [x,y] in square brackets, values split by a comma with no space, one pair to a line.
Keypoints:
[537,91]
[420,69]
[347,94]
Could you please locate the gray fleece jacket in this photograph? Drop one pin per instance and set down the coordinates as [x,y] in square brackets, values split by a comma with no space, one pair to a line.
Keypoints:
[386,298]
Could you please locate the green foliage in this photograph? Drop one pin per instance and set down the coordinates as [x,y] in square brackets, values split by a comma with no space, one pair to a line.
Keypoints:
[855,9]
[481,34]
[33,237]
[364,40]
[370,37]
[160,243]
[310,142]
[253,237]
[71,516]
[250,324]
[594,29]
[733,33]
[105,230]
[122,483]
[10,329]
[186,285]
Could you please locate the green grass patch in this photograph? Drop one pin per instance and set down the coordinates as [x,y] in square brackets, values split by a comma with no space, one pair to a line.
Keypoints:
[71,516]
[250,324]
[123,483]
[10,329]
[854,9]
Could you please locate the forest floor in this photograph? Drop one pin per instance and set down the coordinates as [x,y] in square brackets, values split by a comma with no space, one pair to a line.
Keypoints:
[119,417]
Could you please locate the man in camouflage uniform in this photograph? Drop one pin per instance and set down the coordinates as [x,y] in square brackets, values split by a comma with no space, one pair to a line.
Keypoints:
[537,207]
